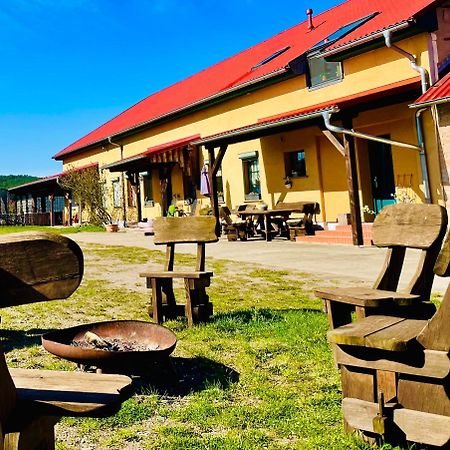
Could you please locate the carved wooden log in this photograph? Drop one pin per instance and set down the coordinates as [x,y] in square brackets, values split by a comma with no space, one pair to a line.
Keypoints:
[38,266]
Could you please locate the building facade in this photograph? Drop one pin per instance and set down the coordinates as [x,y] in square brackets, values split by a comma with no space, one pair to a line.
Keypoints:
[318,112]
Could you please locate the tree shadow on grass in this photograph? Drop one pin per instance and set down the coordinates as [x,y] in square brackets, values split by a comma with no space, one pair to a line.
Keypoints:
[17,339]
[179,376]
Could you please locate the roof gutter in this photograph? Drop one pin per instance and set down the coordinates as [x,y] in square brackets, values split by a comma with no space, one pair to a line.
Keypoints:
[387,34]
[430,103]
[262,126]
[370,37]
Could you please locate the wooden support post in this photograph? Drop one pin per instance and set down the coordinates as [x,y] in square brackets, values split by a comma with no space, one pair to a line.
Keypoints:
[213,186]
[353,185]
[52,210]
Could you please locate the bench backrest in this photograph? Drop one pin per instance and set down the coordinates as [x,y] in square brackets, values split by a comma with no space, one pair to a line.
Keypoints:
[225,215]
[37,267]
[34,267]
[416,226]
[305,207]
[199,230]
[436,335]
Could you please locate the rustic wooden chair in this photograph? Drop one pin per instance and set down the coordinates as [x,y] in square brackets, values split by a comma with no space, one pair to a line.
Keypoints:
[40,267]
[181,230]
[397,228]
[396,373]
[233,228]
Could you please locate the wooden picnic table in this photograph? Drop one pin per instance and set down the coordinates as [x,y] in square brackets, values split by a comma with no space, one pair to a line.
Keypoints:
[282,211]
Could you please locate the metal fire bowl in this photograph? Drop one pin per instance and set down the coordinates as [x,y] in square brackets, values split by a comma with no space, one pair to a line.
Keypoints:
[143,333]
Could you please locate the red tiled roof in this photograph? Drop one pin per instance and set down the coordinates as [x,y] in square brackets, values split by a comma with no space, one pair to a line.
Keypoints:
[237,71]
[439,92]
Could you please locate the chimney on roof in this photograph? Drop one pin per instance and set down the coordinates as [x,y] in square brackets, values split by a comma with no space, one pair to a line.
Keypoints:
[309,13]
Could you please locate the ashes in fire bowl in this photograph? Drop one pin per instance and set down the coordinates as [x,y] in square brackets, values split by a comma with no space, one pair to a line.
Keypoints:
[118,344]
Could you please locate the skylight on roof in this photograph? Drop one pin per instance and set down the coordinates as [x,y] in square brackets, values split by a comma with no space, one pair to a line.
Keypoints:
[269,58]
[341,32]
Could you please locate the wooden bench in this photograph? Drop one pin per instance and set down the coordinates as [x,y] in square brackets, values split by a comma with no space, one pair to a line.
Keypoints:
[40,267]
[397,228]
[395,372]
[302,225]
[182,230]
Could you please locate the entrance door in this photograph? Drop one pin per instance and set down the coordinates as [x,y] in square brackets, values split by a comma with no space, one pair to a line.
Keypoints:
[382,174]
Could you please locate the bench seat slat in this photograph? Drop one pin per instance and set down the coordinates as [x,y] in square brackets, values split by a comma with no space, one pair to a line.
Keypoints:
[397,337]
[70,393]
[381,332]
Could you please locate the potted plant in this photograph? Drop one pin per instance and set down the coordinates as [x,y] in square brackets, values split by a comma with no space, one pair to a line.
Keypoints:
[287,182]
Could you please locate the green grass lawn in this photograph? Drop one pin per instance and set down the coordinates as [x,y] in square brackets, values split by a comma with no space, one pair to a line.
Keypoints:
[260,375]
[58,230]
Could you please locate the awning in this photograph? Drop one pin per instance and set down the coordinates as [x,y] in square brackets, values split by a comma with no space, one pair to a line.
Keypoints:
[288,121]
[47,184]
[436,94]
[172,151]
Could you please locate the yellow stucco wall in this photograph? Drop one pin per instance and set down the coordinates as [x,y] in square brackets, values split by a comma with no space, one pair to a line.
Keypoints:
[326,177]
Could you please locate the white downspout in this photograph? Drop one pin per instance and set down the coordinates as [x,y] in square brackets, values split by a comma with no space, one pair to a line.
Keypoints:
[423,163]
[412,59]
[419,127]
[327,116]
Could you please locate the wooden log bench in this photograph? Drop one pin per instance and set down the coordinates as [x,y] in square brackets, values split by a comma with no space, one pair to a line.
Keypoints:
[395,372]
[40,267]
[397,228]
[181,230]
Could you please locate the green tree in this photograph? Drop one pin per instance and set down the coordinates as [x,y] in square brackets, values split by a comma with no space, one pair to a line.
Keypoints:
[87,190]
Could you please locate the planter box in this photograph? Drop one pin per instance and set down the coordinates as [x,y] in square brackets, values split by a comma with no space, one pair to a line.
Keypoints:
[112,228]
[344,219]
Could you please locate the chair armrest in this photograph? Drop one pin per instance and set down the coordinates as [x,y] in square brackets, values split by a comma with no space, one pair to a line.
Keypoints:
[366,297]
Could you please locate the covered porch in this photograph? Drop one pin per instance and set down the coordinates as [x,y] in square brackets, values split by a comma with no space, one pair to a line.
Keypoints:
[366,167]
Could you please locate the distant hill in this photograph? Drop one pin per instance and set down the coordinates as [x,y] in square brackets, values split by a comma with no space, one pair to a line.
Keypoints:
[7,181]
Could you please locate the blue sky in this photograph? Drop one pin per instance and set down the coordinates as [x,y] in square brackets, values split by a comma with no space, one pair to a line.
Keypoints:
[70,65]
